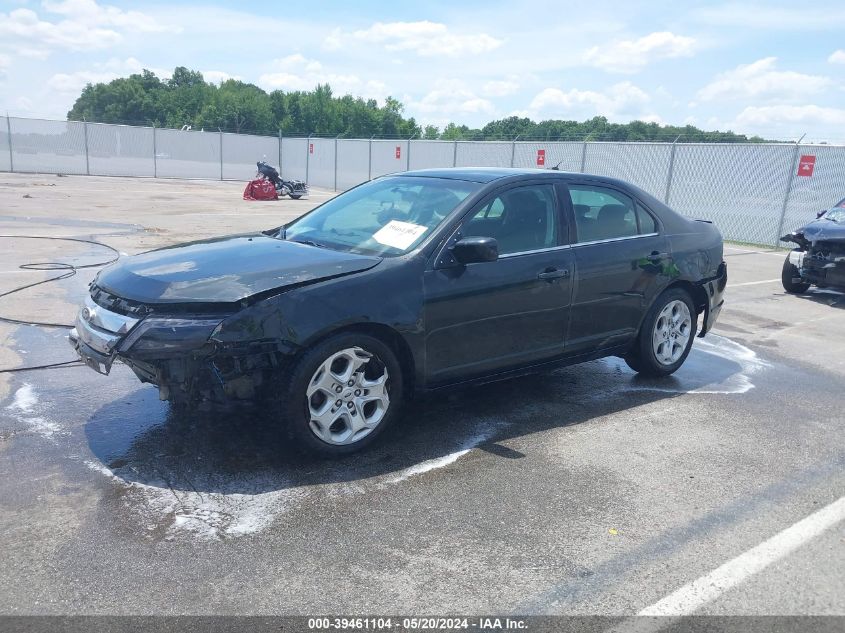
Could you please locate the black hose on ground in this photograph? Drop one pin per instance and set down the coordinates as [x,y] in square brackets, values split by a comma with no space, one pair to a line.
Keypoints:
[69,271]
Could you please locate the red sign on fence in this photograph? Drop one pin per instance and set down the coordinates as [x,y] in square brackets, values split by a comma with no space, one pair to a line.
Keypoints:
[310,148]
[398,152]
[806,165]
[541,157]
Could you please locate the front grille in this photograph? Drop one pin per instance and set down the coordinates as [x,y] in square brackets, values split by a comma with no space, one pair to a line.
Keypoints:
[117,304]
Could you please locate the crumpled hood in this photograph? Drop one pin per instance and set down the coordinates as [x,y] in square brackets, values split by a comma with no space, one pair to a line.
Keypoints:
[225,269]
[822,230]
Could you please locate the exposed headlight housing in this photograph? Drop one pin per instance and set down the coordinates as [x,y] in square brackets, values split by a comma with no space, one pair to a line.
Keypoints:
[165,335]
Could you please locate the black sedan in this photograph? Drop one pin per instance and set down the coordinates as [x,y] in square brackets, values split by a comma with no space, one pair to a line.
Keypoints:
[410,283]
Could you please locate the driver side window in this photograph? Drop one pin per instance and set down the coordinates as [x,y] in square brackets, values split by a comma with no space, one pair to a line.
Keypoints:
[521,219]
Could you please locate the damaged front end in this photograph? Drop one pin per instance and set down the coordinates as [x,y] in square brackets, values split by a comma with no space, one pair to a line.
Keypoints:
[820,257]
[176,352]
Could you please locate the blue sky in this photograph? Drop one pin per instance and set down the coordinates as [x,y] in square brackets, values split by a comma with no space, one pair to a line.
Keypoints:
[770,68]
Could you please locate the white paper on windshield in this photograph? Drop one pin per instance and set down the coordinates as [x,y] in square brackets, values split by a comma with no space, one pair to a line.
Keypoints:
[399,234]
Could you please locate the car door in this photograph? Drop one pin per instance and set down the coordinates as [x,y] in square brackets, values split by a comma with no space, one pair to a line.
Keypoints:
[620,254]
[489,316]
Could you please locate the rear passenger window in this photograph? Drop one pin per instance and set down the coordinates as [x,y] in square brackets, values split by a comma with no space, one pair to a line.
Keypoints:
[602,214]
[646,221]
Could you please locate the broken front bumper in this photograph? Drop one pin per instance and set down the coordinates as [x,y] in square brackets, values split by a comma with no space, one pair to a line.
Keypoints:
[821,270]
[178,355]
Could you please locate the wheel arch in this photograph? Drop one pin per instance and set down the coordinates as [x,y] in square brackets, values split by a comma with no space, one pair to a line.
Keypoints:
[695,291]
[387,335]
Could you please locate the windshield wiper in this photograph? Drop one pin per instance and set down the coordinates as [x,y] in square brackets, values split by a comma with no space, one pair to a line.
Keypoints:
[309,243]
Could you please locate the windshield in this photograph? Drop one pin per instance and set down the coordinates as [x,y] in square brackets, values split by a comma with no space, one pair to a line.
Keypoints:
[837,215]
[388,216]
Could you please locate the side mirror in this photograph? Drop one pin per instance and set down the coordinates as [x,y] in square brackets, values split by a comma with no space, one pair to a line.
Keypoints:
[821,213]
[471,250]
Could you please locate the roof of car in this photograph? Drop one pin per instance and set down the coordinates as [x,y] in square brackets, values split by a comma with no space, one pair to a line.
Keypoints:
[489,174]
[476,174]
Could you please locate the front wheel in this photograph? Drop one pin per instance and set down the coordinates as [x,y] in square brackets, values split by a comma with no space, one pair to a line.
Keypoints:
[296,196]
[666,335]
[342,394]
[790,277]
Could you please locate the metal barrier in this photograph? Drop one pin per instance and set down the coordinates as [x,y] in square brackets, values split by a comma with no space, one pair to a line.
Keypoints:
[753,192]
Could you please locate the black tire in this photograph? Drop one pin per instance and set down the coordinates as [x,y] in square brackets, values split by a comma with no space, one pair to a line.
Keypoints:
[296,196]
[295,404]
[788,276]
[641,357]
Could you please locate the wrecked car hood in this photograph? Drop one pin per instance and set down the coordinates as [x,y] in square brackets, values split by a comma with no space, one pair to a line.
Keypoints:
[225,269]
[822,230]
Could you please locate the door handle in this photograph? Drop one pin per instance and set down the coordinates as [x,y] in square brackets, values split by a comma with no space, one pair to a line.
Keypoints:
[656,257]
[554,273]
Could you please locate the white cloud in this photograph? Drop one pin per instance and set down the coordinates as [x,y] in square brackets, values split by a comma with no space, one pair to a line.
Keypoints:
[25,25]
[73,83]
[82,25]
[89,12]
[296,72]
[218,76]
[500,88]
[762,81]
[449,98]
[630,56]
[622,100]
[767,117]
[424,38]
[766,17]
[837,57]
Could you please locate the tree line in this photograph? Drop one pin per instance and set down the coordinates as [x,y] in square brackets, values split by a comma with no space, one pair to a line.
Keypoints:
[235,106]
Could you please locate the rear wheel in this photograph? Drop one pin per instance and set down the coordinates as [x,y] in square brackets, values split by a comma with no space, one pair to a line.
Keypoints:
[791,278]
[342,393]
[666,335]
[296,196]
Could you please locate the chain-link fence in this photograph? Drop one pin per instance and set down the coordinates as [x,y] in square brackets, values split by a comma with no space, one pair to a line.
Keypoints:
[753,192]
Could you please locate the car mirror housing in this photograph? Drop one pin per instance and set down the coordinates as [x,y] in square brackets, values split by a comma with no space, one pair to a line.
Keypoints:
[471,250]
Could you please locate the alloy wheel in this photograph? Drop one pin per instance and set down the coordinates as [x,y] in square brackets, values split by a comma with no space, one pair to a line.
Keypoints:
[672,331]
[347,396]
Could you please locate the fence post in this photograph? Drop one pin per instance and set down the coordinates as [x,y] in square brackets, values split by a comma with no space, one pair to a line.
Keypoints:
[671,170]
[9,132]
[307,157]
[335,161]
[794,164]
[513,147]
[280,151]
[408,154]
[455,155]
[155,158]
[85,134]
[370,161]
[221,152]
[584,154]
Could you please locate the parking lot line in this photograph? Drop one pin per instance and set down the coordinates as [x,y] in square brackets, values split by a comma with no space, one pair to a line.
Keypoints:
[737,251]
[753,283]
[696,594]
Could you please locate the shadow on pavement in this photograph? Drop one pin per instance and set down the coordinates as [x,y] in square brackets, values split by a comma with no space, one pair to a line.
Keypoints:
[142,440]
